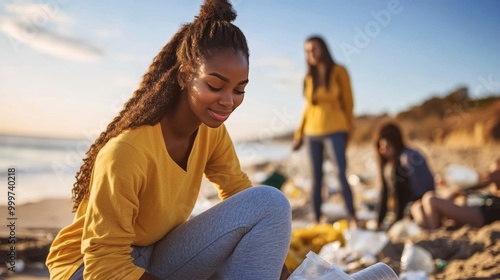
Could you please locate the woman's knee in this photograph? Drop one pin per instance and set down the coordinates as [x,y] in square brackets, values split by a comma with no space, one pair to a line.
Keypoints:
[272,198]
[416,206]
[274,195]
[427,198]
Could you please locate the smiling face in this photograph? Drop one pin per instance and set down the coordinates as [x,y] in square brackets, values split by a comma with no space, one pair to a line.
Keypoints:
[218,87]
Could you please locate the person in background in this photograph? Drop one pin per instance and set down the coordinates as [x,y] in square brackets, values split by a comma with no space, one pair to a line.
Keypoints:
[404,172]
[431,210]
[141,178]
[327,120]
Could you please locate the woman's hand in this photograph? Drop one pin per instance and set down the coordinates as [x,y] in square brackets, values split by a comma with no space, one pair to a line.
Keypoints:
[297,143]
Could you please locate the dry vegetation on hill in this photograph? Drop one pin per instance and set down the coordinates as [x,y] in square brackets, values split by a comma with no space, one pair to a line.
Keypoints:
[452,120]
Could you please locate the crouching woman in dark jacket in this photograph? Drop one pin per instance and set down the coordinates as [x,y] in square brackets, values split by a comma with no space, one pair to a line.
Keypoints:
[404,173]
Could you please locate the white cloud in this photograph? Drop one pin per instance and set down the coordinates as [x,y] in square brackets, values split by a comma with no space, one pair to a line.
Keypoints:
[39,13]
[27,23]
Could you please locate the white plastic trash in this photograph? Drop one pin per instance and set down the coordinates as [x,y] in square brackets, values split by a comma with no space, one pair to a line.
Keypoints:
[416,259]
[461,177]
[365,242]
[378,271]
[334,210]
[334,253]
[403,229]
[314,267]
[413,275]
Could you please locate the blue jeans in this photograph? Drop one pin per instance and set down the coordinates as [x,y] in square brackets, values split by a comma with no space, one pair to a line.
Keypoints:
[336,142]
[246,236]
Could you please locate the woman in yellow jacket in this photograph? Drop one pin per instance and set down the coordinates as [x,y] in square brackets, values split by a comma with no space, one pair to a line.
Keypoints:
[327,119]
[139,183]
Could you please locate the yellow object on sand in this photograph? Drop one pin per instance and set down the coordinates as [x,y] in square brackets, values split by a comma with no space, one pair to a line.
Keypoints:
[313,238]
[341,225]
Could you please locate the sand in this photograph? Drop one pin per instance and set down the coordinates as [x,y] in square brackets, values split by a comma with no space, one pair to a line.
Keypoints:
[36,226]
[469,253]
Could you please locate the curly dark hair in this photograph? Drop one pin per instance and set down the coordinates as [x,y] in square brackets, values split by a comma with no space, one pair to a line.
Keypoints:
[209,33]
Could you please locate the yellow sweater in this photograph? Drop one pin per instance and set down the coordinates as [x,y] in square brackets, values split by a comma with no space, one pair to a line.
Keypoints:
[334,109]
[138,194]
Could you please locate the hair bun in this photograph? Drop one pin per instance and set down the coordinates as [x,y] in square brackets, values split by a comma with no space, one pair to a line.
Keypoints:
[217,10]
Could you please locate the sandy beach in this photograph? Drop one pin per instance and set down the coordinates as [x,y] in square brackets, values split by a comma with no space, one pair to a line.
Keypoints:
[469,253]
[465,252]
[36,226]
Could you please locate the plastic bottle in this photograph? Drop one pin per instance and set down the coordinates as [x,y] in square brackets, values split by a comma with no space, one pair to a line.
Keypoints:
[416,259]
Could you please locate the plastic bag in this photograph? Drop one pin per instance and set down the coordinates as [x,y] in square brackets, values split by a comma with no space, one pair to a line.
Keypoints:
[461,177]
[333,252]
[403,229]
[314,267]
[365,242]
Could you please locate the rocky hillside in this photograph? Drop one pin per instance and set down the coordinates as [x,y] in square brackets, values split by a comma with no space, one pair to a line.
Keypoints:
[455,119]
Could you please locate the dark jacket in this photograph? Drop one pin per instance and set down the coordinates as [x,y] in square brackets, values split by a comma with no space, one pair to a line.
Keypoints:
[411,179]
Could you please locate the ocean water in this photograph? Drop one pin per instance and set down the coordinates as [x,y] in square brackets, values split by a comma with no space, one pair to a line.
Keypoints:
[46,167]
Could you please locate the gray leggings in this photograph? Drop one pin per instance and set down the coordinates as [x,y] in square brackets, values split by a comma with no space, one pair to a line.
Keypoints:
[247,236]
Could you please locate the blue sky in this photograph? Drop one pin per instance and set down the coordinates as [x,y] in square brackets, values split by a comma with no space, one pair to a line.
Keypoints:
[67,66]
